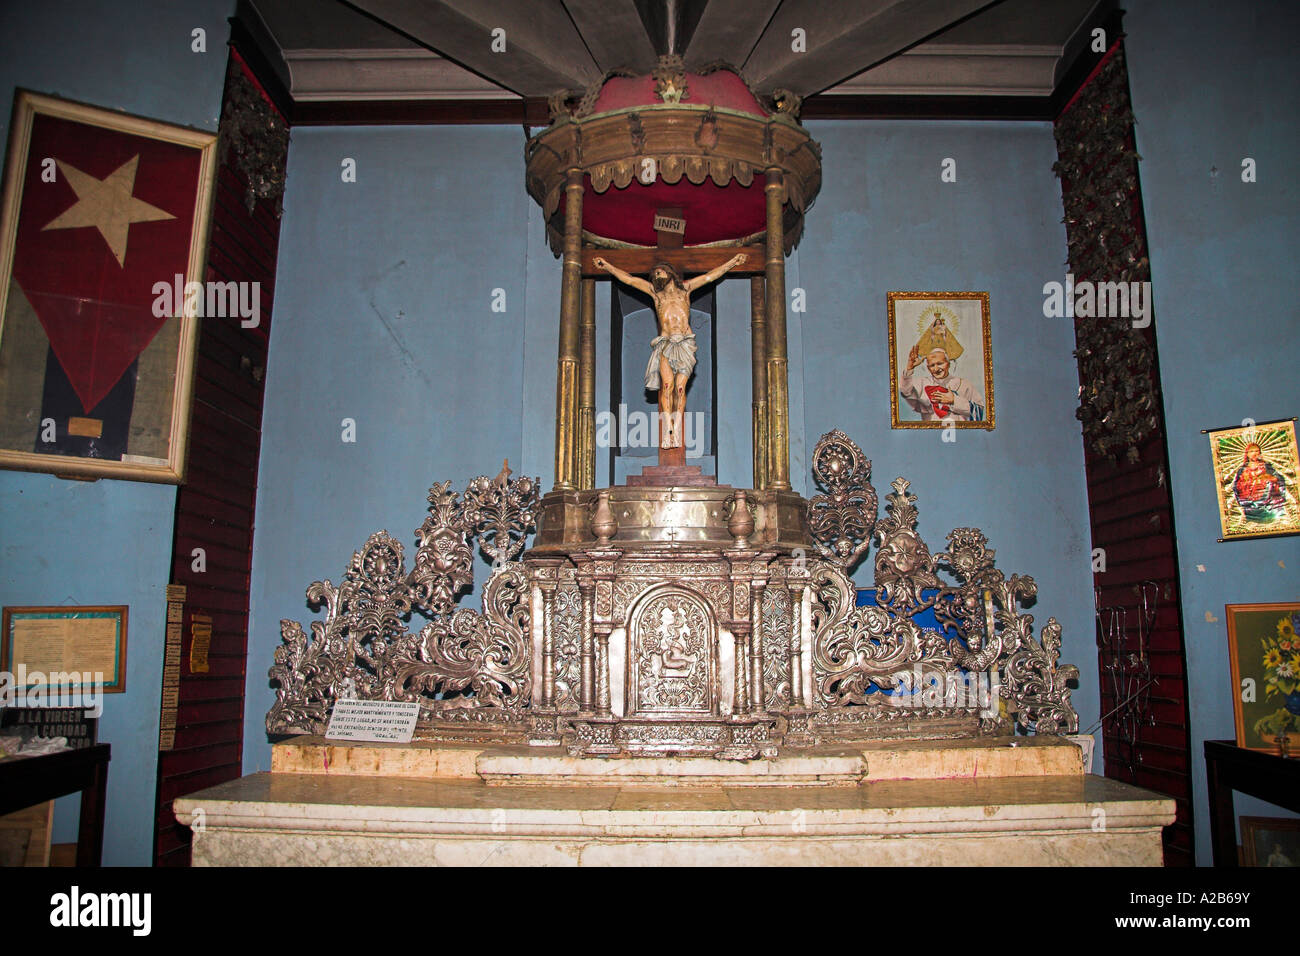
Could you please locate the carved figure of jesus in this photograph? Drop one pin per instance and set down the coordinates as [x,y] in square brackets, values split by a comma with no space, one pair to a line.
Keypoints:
[672,352]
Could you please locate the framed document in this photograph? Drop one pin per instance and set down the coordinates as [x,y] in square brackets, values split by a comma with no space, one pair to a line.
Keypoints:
[940,360]
[103,235]
[74,642]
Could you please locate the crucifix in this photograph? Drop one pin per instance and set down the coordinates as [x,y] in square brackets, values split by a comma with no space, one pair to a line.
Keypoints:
[672,351]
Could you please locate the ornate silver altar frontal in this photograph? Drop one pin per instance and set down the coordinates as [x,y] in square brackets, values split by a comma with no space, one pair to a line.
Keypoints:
[680,642]
[462,660]
[876,658]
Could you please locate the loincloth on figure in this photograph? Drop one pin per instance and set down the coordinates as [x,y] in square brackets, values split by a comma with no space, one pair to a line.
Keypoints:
[679,350]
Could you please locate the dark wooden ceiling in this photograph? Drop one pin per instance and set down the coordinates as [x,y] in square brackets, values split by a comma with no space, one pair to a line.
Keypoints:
[444,49]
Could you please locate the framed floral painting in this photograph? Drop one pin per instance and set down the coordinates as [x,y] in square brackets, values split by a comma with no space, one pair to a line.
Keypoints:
[1264,648]
[1257,474]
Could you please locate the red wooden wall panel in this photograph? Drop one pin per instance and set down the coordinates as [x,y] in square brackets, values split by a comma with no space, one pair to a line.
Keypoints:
[1131,517]
[214,512]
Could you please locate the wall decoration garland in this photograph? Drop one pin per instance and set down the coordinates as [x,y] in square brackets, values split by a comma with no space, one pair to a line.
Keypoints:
[259,136]
[1097,166]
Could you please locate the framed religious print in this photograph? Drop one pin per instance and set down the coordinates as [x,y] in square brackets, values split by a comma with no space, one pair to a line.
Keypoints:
[1270,841]
[103,236]
[940,360]
[1264,652]
[1255,471]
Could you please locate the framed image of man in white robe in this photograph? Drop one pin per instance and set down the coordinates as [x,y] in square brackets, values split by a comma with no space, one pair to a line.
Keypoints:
[940,360]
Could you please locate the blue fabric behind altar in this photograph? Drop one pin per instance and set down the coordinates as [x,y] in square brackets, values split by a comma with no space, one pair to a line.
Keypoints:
[924,619]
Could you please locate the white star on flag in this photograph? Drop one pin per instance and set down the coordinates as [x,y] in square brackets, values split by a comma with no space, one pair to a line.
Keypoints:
[107,204]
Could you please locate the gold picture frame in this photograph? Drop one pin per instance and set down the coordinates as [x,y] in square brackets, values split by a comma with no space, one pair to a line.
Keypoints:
[925,324]
[1263,656]
[104,214]
[1259,497]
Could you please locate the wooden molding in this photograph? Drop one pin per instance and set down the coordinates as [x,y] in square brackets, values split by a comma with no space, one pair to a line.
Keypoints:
[250,51]
[530,112]
[881,106]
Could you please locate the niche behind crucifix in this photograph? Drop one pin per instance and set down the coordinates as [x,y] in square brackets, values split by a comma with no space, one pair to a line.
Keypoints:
[632,327]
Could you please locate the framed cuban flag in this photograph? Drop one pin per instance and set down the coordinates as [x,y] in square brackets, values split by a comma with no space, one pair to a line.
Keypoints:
[940,360]
[103,236]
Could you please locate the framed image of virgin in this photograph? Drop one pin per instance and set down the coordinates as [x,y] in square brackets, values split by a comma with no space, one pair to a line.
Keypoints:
[940,360]
[1255,471]
[1264,652]
[103,235]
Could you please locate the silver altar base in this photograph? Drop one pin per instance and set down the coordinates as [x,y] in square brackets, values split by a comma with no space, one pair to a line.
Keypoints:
[655,647]
[701,620]
[671,517]
[726,738]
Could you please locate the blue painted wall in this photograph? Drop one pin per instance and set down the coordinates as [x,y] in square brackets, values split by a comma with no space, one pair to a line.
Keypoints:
[886,222]
[1222,260]
[108,542]
[382,314]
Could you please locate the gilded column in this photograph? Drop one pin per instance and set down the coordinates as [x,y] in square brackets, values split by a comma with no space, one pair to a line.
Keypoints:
[586,437]
[566,379]
[758,356]
[757,689]
[587,694]
[778,381]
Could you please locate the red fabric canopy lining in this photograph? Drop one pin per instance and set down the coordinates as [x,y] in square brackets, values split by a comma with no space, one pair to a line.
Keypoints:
[713,213]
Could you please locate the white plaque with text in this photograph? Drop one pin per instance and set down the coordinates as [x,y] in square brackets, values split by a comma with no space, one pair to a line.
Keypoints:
[390,721]
[669,224]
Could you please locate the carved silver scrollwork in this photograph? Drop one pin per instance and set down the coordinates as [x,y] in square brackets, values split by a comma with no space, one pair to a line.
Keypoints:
[444,564]
[934,623]
[500,512]
[568,647]
[460,659]
[843,516]
[776,647]
[861,652]
[483,654]
[878,658]
[368,603]
[904,566]
[985,606]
